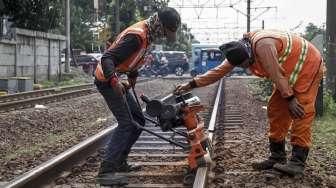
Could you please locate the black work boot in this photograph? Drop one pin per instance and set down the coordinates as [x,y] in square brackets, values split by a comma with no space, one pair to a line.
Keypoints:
[107,175]
[278,155]
[125,167]
[296,164]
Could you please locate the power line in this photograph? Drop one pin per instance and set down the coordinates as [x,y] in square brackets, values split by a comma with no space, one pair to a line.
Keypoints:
[202,18]
[206,19]
[216,28]
[203,5]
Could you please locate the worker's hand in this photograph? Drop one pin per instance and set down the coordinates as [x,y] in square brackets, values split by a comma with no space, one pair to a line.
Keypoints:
[182,88]
[119,88]
[295,108]
[116,85]
[132,81]
[126,84]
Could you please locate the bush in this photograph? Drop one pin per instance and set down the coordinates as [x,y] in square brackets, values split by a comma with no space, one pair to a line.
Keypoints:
[324,131]
[261,88]
[329,104]
[75,77]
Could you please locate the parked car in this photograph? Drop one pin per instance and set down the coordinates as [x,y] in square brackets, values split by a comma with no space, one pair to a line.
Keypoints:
[98,56]
[155,64]
[63,58]
[177,61]
[207,59]
[87,62]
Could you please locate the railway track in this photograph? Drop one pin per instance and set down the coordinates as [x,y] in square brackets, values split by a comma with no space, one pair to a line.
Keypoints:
[164,165]
[42,92]
[229,133]
[30,99]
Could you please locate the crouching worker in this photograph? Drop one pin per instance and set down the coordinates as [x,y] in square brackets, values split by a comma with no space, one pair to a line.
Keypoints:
[295,67]
[125,56]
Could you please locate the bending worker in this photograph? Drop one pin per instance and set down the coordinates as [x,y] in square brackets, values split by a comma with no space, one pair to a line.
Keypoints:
[125,56]
[295,67]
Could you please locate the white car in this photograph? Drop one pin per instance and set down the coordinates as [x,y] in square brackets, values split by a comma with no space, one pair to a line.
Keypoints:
[63,58]
[96,55]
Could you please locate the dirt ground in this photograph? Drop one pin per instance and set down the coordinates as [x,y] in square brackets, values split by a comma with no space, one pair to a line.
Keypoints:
[320,169]
[31,136]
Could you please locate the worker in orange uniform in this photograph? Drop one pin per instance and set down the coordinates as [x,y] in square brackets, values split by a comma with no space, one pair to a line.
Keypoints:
[125,56]
[296,69]
[109,42]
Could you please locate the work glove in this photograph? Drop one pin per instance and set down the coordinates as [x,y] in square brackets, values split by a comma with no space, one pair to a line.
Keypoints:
[125,84]
[182,88]
[132,81]
[295,108]
[116,85]
[132,78]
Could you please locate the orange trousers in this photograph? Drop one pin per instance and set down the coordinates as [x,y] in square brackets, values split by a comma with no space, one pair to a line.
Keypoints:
[280,119]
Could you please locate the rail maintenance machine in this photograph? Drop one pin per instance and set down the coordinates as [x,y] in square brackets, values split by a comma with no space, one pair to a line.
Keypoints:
[184,113]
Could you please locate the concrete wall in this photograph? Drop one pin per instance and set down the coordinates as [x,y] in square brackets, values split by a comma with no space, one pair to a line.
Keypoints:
[31,54]
[7,58]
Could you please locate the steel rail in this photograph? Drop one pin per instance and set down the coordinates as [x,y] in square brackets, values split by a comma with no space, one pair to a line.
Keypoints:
[29,99]
[49,91]
[202,172]
[42,92]
[49,170]
[30,102]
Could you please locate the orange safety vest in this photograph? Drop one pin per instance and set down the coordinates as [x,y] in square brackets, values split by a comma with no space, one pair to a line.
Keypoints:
[136,60]
[299,59]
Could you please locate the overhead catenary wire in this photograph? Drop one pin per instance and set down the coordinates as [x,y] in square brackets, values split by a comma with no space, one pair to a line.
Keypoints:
[209,15]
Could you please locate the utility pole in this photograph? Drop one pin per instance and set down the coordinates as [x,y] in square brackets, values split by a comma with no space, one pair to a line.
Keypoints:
[117,15]
[67,33]
[96,10]
[248,16]
[331,46]
[248,13]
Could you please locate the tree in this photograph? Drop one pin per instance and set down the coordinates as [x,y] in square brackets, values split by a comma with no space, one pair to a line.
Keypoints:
[84,22]
[312,30]
[48,16]
[83,18]
[80,21]
[311,34]
[147,7]
[183,43]
[130,12]
[41,15]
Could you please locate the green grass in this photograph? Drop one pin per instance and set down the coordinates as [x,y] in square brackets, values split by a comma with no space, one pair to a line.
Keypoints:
[75,77]
[324,133]
[261,89]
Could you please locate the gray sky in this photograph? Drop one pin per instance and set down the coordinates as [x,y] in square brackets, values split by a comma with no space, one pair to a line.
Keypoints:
[223,23]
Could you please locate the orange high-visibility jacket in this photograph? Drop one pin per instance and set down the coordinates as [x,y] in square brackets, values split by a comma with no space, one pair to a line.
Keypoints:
[136,60]
[299,59]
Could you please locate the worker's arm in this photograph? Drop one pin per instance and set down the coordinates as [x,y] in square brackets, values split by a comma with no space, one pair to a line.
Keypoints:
[267,55]
[208,78]
[114,56]
[213,75]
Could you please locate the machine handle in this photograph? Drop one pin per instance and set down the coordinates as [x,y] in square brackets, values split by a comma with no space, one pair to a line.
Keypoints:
[144,98]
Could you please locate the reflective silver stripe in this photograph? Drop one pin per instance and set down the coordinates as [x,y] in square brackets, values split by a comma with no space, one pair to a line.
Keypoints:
[137,58]
[288,49]
[138,29]
[304,49]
